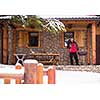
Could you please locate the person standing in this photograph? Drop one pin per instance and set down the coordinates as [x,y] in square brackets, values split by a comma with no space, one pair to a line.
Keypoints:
[73,49]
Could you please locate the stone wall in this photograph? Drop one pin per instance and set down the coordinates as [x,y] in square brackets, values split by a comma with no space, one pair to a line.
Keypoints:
[49,44]
[88,68]
[0,46]
[52,44]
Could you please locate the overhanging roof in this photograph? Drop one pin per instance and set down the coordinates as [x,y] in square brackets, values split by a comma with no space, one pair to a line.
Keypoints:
[73,17]
[63,17]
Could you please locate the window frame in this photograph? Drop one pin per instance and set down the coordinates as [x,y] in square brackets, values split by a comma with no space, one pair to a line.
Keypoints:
[38,39]
[63,38]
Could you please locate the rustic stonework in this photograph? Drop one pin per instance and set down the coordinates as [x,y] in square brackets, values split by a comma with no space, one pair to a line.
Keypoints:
[52,44]
[87,68]
[49,44]
[10,45]
[0,46]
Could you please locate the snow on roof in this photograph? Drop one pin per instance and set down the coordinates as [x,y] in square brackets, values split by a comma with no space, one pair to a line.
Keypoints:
[5,17]
[66,17]
[71,16]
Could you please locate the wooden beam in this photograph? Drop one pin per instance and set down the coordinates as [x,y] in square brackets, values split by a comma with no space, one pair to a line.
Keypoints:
[77,22]
[88,46]
[76,29]
[28,29]
[94,43]
[12,76]
[5,46]
[62,40]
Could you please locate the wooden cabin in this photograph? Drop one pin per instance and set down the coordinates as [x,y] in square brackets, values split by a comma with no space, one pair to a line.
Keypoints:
[84,29]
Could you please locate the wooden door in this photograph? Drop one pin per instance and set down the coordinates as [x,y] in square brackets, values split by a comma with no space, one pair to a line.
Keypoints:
[98,49]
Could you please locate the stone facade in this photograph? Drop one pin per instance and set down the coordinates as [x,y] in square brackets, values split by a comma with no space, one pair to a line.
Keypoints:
[52,44]
[0,46]
[87,68]
[49,44]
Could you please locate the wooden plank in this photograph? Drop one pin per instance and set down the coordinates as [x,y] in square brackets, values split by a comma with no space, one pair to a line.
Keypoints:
[79,37]
[94,43]
[12,76]
[5,45]
[20,41]
[28,29]
[77,21]
[88,47]
[25,41]
[62,40]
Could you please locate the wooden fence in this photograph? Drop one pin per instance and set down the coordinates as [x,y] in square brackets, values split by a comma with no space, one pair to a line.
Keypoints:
[31,73]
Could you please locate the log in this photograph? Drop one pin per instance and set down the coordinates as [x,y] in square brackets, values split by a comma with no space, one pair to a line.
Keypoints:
[94,43]
[5,46]
[40,74]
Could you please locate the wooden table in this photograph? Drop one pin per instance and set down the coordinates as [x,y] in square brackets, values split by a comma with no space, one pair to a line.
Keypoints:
[52,60]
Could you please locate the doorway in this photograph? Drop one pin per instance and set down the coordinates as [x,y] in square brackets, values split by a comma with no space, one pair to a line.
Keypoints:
[98,49]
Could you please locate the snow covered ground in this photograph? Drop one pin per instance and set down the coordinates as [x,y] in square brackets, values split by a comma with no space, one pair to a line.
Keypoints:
[62,77]
[74,77]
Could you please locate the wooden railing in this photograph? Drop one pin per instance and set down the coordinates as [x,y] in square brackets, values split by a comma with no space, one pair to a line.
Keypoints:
[31,73]
[12,73]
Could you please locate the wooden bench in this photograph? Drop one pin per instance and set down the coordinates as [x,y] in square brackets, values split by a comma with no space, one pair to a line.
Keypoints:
[54,57]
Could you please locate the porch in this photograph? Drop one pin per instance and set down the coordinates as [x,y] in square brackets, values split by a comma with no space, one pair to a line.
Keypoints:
[86,33]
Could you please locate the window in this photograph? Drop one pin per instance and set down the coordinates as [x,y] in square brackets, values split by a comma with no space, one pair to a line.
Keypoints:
[34,39]
[67,35]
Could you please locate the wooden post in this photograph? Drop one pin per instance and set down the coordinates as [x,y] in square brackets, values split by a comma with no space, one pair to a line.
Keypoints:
[94,43]
[5,45]
[30,76]
[18,81]
[51,75]
[6,81]
[88,46]
[18,66]
[40,74]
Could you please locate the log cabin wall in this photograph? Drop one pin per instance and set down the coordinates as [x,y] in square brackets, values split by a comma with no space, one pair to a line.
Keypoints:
[49,43]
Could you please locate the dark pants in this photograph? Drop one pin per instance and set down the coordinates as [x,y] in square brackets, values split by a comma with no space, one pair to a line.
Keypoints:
[75,56]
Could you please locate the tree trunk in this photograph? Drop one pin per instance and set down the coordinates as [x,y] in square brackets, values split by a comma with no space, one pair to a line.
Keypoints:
[10,45]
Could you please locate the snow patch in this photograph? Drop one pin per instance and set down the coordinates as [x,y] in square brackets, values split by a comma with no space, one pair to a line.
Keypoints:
[40,64]
[31,61]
